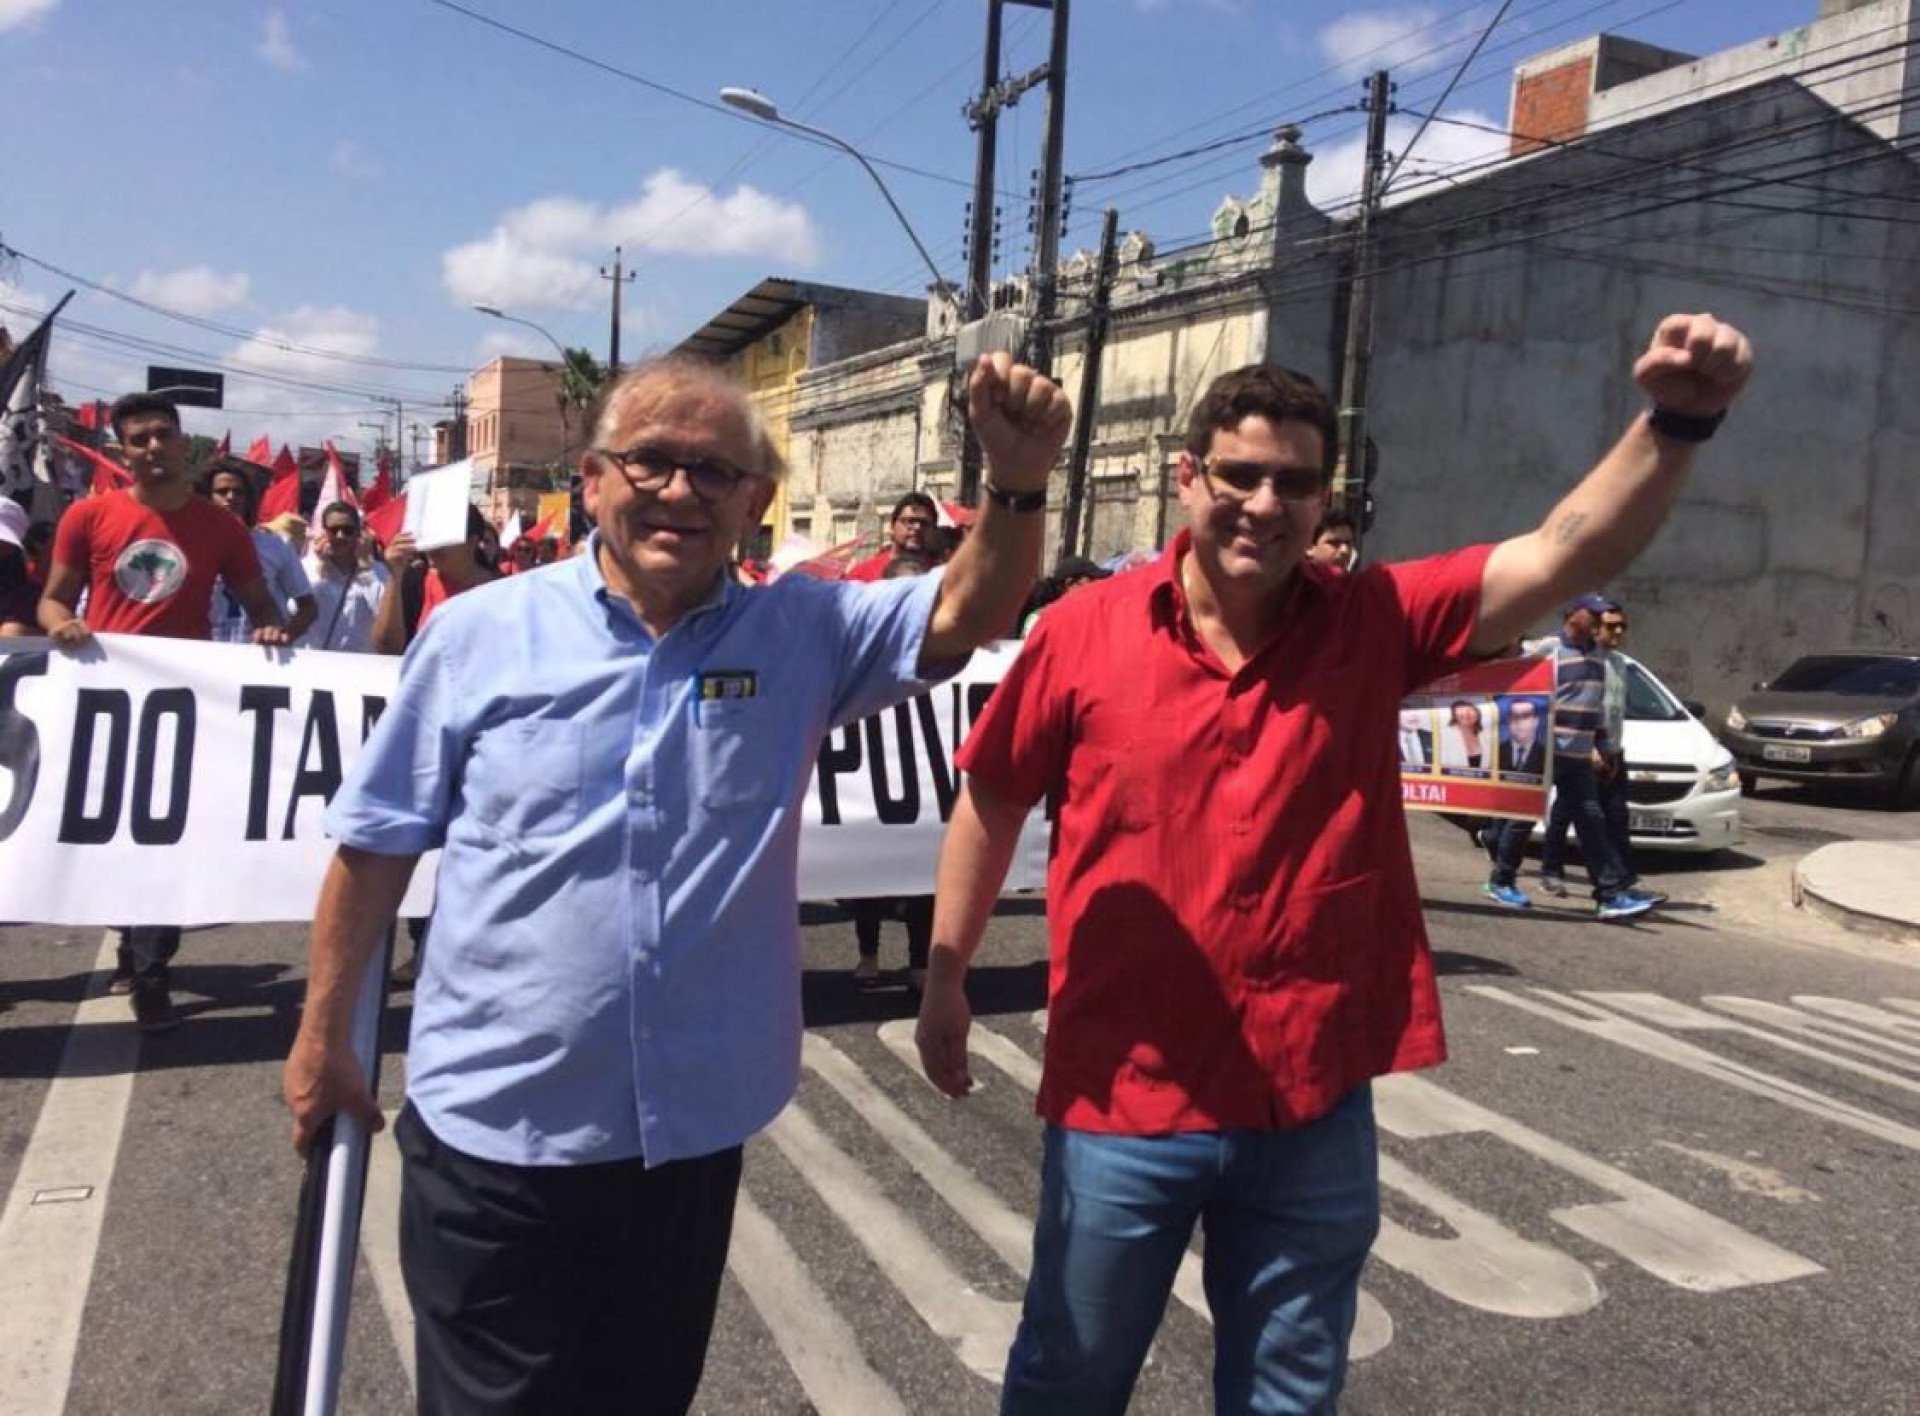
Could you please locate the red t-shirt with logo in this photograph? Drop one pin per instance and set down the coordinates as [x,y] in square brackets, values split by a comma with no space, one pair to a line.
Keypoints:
[152,572]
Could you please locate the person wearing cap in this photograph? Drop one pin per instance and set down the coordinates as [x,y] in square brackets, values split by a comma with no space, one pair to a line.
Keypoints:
[19,591]
[1580,749]
[1236,947]
[910,528]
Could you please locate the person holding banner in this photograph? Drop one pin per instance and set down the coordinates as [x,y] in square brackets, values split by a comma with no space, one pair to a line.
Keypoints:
[147,556]
[348,584]
[19,591]
[611,754]
[286,577]
[1236,937]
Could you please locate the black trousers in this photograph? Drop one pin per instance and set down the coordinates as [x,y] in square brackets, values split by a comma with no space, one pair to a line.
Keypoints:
[915,911]
[145,950]
[560,1289]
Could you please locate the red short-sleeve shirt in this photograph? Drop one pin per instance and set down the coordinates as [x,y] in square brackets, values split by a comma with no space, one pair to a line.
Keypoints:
[874,567]
[152,572]
[1236,930]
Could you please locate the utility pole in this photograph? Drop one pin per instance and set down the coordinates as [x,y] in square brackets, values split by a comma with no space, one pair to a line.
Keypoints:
[457,433]
[1352,490]
[983,115]
[1097,319]
[1046,244]
[613,340]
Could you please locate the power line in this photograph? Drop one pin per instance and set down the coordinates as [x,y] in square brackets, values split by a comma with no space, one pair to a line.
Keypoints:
[1445,94]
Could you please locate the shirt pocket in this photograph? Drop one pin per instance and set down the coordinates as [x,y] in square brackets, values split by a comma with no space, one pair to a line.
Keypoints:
[1121,753]
[525,779]
[736,753]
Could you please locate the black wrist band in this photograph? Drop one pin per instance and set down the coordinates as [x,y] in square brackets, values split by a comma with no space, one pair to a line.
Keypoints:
[1014,501]
[1684,427]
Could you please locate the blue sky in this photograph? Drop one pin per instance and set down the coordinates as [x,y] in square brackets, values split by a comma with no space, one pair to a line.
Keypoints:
[347,178]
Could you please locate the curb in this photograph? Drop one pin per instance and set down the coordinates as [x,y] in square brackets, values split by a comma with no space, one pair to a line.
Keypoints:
[1845,902]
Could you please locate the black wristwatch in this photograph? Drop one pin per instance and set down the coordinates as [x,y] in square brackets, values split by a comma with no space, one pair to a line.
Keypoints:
[1014,501]
[1684,427]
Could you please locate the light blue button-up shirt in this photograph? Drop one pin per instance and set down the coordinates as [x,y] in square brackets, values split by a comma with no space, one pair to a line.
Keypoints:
[614,969]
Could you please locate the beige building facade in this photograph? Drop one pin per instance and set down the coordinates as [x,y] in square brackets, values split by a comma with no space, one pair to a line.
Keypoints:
[520,435]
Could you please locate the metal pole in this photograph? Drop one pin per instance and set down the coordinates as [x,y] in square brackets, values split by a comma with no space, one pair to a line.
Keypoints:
[1356,366]
[1046,245]
[984,114]
[1089,385]
[613,338]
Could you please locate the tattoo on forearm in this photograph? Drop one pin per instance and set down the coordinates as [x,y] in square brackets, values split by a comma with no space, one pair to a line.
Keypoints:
[1569,526]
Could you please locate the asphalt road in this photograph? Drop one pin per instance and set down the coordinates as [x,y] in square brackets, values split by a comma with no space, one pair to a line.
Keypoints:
[1671,1167]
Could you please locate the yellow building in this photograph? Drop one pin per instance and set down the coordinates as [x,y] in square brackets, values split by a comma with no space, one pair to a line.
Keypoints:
[781,328]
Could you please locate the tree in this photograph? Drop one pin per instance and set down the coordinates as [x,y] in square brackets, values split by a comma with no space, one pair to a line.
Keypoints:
[581,379]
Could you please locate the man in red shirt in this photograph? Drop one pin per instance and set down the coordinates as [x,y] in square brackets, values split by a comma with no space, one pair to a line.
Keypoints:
[912,523]
[148,556]
[1237,945]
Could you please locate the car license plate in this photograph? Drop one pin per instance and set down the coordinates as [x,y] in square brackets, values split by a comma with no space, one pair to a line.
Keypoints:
[1656,823]
[1786,752]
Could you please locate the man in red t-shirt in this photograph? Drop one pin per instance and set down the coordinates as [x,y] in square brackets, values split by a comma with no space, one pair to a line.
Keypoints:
[148,557]
[912,523]
[1236,940]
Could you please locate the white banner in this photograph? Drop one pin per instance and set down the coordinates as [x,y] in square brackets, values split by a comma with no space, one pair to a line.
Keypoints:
[163,781]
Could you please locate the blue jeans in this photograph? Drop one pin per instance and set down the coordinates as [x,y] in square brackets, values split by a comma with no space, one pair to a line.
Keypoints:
[1288,1217]
[1576,800]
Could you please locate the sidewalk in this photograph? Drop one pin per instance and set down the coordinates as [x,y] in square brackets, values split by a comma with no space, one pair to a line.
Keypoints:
[1870,886]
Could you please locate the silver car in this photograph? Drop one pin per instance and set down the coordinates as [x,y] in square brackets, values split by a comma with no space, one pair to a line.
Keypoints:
[1849,717]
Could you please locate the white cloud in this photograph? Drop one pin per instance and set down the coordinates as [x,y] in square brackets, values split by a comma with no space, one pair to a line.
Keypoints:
[547,254]
[347,159]
[196,290]
[1333,181]
[15,13]
[333,329]
[1406,41]
[276,43]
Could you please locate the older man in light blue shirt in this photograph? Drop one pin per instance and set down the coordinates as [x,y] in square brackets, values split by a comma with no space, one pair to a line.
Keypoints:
[611,754]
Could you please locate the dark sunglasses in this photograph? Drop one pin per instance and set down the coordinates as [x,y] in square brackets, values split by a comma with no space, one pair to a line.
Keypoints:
[1240,480]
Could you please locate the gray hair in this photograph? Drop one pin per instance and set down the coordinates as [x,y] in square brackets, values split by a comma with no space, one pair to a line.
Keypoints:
[655,380]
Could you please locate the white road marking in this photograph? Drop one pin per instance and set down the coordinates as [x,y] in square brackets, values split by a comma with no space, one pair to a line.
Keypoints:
[1746,1176]
[1852,1012]
[1664,1012]
[1669,1238]
[979,1328]
[1373,1325]
[1625,1032]
[47,1251]
[1904,1005]
[1484,1264]
[380,1244]
[1834,1032]
[819,1344]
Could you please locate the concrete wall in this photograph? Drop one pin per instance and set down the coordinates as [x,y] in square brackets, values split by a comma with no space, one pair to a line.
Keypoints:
[1502,373]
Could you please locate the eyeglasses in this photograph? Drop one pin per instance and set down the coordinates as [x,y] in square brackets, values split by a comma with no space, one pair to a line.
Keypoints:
[341,530]
[647,468]
[1237,481]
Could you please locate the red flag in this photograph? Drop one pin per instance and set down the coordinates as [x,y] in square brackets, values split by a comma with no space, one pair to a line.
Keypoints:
[380,493]
[385,522]
[335,487]
[542,529]
[89,415]
[832,564]
[283,492]
[108,475]
[260,453]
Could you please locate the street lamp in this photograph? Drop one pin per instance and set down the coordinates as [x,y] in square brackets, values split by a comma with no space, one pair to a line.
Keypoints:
[500,314]
[758,105]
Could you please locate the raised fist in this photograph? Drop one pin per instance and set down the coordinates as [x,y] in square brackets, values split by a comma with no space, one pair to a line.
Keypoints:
[1021,418]
[1695,365]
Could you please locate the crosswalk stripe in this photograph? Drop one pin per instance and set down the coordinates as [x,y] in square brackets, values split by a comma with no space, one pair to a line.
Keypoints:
[997,1223]
[1680,1017]
[1832,1032]
[979,1328]
[1904,1005]
[1482,1264]
[817,1342]
[1593,1021]
[1646,1226]
[50,1229]
[1852,1012]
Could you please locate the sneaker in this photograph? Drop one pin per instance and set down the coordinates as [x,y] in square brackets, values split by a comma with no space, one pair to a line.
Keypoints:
[1625,905]
[153,1009]
[866,973]
[1555,885]
[1510,896]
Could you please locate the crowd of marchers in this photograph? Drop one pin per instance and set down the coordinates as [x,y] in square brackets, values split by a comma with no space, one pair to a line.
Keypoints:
[611,754]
